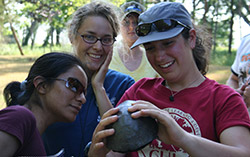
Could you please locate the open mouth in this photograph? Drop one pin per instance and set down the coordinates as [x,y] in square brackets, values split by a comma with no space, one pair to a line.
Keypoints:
[168,64]
[94,56]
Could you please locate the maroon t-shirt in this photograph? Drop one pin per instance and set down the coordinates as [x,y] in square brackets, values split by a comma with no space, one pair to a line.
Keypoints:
[203,111]
[21,123]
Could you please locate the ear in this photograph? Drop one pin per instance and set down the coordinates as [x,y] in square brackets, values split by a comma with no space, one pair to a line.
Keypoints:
[39,84]
[192,38]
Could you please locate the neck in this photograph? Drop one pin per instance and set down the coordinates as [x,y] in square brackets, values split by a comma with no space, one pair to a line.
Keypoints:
[188,83]
[43,117]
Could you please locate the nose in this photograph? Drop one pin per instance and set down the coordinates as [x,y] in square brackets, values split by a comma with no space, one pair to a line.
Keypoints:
[159,54]
[132,25]
[81,98]
[97,45]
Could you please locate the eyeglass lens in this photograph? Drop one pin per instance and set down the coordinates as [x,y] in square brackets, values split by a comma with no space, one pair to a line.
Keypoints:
[75,85]
[91,39]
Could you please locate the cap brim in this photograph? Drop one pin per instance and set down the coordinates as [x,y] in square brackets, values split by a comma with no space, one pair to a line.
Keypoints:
[133,11]
[155,36]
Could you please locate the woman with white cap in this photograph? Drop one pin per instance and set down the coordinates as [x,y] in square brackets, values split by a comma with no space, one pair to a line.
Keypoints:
[130,61]
[196,116]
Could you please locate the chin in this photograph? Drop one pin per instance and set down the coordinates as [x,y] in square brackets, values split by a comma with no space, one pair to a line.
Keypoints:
[70,118]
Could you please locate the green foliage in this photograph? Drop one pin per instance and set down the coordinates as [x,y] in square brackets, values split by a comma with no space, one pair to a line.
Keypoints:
[222,57]
[11,49]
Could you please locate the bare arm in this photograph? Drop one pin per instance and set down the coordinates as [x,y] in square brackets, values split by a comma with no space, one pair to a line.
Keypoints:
[97,81]
[233,81]
[234,142]
[8,145]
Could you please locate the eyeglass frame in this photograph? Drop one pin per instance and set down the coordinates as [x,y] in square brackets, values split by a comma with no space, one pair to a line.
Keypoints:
[101,40]
[153,23]
[68,86]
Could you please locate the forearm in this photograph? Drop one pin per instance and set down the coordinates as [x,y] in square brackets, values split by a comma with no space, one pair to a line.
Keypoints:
[233,81]
[198,146]
[102,99]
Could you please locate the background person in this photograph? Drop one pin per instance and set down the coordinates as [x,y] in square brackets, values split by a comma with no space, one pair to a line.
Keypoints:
[92,32]
[131,61]
[196,116]
[53,91]
[239,78]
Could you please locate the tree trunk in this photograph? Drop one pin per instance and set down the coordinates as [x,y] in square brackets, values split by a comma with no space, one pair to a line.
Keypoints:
[58,31]
[17,42]
[46,41]
[231,28]
[30,32]
[33,37]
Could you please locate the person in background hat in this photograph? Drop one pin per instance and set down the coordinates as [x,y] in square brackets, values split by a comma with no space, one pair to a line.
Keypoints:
[132,62]
[196,116]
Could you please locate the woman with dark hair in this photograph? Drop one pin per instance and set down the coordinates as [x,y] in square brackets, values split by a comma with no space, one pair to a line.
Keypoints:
[53,91]
[196,116]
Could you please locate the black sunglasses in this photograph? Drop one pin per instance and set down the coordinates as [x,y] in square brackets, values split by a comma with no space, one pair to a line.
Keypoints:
[73,84]
[160,25]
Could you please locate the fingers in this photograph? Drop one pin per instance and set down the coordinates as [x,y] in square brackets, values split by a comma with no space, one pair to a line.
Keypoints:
[109,58]
[101,131]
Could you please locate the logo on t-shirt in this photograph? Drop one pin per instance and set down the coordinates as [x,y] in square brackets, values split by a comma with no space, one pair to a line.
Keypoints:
[160,149]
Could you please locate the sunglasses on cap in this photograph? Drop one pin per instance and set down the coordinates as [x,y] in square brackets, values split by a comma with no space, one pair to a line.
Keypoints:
[133,7]
[72,84]
[159,25]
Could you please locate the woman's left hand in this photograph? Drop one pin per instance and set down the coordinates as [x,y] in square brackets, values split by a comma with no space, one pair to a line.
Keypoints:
[97,79]
[98,148]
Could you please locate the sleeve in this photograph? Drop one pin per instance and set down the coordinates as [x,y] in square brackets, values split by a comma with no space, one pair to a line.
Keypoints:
[230,111]
[17,121]
[130,94]
[235,65]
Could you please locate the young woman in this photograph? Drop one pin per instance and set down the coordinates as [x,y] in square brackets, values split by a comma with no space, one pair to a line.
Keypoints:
[196,116]
[92,32]
[131,61]
[53,91]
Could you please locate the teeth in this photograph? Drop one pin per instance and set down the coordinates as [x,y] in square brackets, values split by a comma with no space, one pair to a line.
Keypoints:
[95,56]
[166,65]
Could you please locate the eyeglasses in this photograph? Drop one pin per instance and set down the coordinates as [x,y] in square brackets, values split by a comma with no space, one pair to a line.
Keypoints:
[160,25]
[91,39]
[73,84]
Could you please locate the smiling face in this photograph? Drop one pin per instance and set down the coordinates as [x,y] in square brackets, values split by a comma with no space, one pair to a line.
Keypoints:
[172,58]
[128,26]
[63,103]
[93,55]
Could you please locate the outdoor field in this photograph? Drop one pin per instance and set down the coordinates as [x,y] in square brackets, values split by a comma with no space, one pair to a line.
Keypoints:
[15,68]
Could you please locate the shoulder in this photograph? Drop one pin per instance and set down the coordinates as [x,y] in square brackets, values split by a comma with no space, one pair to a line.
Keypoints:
[17,120]
[215,86]
[19,114]
[245,40]
[17,111]
[246,37]
[148,82]
[114,75]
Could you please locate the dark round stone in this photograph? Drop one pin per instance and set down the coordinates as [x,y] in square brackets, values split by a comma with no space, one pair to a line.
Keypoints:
[131,134]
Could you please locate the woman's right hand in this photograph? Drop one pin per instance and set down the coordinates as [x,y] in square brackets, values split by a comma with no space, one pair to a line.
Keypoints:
[98,148]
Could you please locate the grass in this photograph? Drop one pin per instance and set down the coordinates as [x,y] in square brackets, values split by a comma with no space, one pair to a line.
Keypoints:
[14,67]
